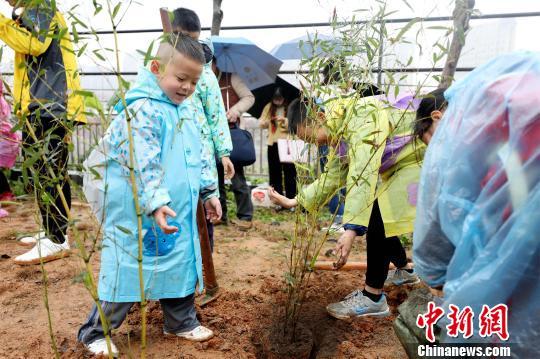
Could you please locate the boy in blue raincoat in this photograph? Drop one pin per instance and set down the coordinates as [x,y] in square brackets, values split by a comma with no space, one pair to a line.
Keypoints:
[168,165]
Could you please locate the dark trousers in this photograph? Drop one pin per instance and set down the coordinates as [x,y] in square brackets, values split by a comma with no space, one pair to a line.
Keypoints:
[179,315]
[242,193]
[50,133]
[4,184]
[381,250]
[281,172]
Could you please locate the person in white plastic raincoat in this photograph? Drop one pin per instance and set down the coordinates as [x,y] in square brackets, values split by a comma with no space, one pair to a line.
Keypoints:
[476,232]
[167,164]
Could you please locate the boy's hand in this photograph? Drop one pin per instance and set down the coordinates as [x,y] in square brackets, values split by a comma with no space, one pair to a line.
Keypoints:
[228,167]
[160,215]
[280,199]
[213,209]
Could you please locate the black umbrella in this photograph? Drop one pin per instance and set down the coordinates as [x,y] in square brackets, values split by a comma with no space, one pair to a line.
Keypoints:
[263,95]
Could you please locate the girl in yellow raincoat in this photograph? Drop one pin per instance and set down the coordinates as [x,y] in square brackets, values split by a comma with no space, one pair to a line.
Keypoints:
[380,169]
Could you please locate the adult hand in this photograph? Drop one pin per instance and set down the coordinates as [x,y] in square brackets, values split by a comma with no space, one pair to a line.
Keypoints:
[343,248]
[160,216]
[228,167]
[213,209]
[233,115]
[282,121]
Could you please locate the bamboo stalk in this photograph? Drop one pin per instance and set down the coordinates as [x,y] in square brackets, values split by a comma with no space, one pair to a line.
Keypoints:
[133,188]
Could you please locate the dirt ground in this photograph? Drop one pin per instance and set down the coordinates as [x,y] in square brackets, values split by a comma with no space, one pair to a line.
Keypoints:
[250,267]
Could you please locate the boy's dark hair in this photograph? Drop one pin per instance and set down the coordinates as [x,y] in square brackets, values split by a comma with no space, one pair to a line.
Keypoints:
[186,46]
[333,70]
[433,101]
[364,89]
[297,114]
[186,20]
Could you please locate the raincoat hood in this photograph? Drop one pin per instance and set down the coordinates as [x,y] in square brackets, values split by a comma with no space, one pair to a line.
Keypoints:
[146,86]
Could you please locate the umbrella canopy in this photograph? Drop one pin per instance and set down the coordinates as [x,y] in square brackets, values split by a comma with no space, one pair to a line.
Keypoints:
[255,66]
[309,45]
[263,95]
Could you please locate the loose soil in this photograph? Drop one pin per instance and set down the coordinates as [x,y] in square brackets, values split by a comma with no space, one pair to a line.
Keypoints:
[249,266]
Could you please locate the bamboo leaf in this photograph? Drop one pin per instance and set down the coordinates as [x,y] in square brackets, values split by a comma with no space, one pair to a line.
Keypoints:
[84,93]
[406,28]
[98,55]
[124,229]
[74,33]
[439,28]
[408,5]
[116,9]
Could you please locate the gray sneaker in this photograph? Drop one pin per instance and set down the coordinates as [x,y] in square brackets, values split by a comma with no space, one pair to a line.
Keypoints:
[400,277]
[358,305]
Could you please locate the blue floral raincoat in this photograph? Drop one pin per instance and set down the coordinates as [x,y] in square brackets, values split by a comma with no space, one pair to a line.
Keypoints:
[210,112]
[168,167]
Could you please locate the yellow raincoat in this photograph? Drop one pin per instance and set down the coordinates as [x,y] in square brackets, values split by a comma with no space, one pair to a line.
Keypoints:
[365,124]
[45,68]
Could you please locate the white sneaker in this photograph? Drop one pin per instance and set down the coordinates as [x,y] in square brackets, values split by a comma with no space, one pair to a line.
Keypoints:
[31,240]
[46,249]
[99,347]
[199,334]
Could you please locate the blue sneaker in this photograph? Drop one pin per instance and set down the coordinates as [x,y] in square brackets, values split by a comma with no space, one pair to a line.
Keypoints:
[400,277]
[358,305]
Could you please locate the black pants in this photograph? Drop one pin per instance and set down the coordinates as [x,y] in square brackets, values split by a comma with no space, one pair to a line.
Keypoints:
[4,184]
[50,133]
[242,193]
[381,250]
[281,172]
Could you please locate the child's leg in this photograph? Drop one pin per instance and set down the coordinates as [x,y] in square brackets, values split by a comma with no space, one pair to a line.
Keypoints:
[92,329]
[179,314]
[377,251]
[396,252]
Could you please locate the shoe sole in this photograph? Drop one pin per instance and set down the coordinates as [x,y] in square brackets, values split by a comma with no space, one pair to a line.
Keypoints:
[102,354]
[24,244]
[344,317]
[167,334]
[50,258]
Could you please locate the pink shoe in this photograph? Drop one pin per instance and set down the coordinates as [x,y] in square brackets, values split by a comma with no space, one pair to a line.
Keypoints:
[3,213]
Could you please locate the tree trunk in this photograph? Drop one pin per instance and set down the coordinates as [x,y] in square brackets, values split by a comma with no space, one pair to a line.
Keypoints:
[216,18]
[461,15]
